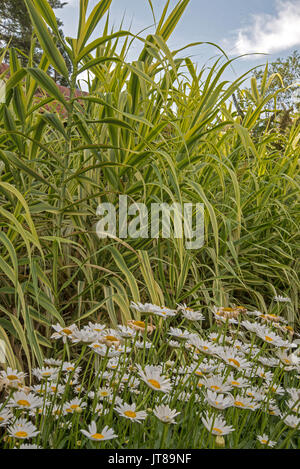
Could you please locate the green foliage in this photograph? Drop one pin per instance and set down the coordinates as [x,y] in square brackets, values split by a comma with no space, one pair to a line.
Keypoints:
[16,30]
[288,71]
[156,129]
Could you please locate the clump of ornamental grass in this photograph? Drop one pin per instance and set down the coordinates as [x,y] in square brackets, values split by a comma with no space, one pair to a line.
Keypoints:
[161,382]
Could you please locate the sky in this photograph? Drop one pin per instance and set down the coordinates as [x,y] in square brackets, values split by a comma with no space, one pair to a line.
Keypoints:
[262,29]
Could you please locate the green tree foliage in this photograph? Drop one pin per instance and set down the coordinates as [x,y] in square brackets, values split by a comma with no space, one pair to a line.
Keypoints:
[16,30]
[288,70]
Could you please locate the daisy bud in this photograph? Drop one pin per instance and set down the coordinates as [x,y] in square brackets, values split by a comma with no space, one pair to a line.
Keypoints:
[78,410]
[220,441]
[169,364]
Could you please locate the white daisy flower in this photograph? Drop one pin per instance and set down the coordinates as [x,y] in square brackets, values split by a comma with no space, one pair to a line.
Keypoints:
[52,362]
[100,411]
[104,350]
[189,313]
[216,383]
[127,332]
[70,367]
[262,373]
[163,312]
[96,327]
[292,421]
[129,411]
[104,393]
[75,405]
[12,378]
[217,425]
[5,417]
[45,373]
[269,336]
[219,401]
[245,403]
[140,326]
[143,344]
[93,434]
[165,413]
[142,308]
[85,336]
[255,393]
[199,345]
[233,358]
[152,376]
[22,429]
[174,344]
[178,333]
[291,360]
[28,446]
[271,362]
[274,410]
[237,382]
[63,332]
[28,401]
[264,440]
[282,299]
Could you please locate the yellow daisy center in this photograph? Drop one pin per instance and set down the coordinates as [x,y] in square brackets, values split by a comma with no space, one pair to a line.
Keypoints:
[216,388]
[154,383]
[130,413]
[67,331]
[139,323]
[74,406]
[215,429]
[97,436]
[268,339]
[111,338]
[23,402]
[12,377]
[239,404]
[234,361]
[21,434]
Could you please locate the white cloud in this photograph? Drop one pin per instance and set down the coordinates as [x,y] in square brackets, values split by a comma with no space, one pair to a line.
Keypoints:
[271,33]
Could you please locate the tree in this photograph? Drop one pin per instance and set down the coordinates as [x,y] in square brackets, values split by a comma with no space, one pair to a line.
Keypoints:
[17,31]
[289,71]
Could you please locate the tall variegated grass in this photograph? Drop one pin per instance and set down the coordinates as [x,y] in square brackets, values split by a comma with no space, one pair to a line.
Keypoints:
[156,129]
